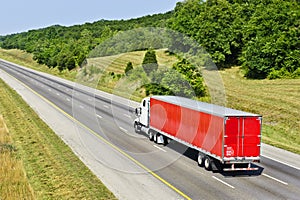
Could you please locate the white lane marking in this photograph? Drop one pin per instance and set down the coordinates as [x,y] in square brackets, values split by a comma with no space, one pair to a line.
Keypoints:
[123,129]
[99,116]
[105,106]
[127,115]
[57,94]
[298,168]
[275,179]
[81,107]
[227,184]
[90,99]
[159,148]
[68,99]
[49,89]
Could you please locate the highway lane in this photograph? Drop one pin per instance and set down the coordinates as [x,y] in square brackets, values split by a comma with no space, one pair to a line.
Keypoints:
[114,123]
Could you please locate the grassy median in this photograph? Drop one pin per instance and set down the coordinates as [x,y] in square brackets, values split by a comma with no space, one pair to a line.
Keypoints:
[34,162]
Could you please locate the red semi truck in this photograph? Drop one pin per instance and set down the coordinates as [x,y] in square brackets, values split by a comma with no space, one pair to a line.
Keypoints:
[225,139]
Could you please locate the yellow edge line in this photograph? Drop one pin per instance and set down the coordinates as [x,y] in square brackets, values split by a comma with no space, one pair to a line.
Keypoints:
[103,139]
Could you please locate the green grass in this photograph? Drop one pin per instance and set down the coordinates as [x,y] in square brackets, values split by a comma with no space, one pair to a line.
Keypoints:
[47,168]
[13,184]
[26,59]
[276,100]
[97,73]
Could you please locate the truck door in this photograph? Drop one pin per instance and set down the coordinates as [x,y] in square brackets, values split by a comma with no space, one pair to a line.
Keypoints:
[242,137]
[144,118]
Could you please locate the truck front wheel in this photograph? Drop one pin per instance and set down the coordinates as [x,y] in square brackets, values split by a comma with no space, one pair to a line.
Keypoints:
[136,128]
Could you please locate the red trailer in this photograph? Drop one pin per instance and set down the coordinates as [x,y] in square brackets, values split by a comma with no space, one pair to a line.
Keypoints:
[225,138]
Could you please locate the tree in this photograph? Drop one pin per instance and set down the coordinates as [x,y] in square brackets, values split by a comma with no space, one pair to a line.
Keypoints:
[128,68]
[272,42]
[214,25]
[150,62]
[192,75]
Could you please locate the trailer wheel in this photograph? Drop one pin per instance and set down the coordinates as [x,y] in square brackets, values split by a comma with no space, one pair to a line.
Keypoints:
[207,163]
[166,140]
[200,159]
[156,137]
[151,135]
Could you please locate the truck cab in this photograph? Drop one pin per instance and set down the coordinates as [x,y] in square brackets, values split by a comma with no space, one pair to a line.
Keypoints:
[143,115]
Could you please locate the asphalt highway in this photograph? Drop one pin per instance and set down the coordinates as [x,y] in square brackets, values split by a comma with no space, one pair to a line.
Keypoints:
[173,165]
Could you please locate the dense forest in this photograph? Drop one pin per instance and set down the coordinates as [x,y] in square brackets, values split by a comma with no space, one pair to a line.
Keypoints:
[67,47]
[262,36]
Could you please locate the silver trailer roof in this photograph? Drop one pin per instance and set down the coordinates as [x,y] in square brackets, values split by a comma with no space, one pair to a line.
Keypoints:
[204,107]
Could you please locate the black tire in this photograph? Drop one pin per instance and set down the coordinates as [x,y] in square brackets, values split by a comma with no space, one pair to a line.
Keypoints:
[155,137]
[151,135]
[200,159]
[166,140]
[136,128]
[207,163]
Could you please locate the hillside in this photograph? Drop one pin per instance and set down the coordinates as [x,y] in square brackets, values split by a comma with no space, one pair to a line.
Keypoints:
[108,73]
[67,47]
[276,100]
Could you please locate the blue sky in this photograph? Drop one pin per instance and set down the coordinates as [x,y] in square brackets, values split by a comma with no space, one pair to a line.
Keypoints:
[22,15]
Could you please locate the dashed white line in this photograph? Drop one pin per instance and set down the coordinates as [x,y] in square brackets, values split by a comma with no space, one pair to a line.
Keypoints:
[275,179]
[227,184]
[99,116]
[123,129]
[105,106]
[81,107]
[127,115]
[49,89]
[159,148]
[68,99]
[281,162]
[57,94]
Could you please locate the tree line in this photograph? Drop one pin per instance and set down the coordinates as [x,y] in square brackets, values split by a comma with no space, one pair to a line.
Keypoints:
[68,47]
[262,36]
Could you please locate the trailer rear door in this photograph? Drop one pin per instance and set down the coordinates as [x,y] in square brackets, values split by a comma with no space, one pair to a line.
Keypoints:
[242,137]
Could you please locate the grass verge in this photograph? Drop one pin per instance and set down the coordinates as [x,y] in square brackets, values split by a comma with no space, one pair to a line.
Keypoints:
[13,184]
[39,165]
[277,100]
[26,59]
